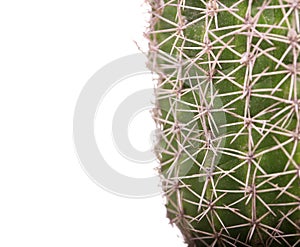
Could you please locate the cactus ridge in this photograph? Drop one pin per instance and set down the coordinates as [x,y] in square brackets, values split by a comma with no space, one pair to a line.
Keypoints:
[227,107]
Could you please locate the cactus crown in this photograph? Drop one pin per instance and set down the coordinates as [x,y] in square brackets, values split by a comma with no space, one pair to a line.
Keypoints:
[227,106]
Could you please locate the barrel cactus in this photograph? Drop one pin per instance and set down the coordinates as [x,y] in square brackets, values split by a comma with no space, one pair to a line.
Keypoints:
[227,111]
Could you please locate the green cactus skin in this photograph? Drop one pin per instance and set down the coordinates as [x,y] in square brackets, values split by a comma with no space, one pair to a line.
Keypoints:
[227,107]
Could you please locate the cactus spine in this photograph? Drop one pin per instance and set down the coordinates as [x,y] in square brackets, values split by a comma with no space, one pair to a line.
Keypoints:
[227,106]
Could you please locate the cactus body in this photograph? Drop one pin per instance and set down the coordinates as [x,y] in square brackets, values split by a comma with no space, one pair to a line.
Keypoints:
[227,106]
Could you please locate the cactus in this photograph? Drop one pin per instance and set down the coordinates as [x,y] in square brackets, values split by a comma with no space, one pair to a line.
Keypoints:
[227,110]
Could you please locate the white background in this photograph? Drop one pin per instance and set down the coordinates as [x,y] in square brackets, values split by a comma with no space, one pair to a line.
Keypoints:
[48,50]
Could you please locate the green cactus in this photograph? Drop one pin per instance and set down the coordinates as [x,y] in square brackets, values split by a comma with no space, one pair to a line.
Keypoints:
[227,108]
